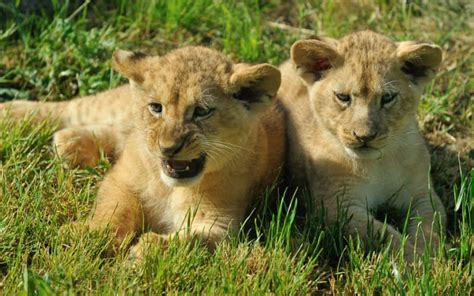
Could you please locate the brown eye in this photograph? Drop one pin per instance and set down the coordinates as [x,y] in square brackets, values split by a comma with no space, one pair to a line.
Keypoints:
[155,108]
[202,113]
[344,98]
[388,97]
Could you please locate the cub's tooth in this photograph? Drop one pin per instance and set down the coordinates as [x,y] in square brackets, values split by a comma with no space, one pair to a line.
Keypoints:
[187,168]
[169,167]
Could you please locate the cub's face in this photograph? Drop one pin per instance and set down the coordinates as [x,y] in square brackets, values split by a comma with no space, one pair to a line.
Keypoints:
[195,108]
[365,88]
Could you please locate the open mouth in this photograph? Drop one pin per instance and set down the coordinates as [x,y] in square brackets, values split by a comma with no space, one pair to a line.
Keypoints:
[182,169]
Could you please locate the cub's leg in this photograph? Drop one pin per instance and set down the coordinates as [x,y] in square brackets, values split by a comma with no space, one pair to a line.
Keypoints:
[363,225]
[118,210]
[80,146]
[424,226]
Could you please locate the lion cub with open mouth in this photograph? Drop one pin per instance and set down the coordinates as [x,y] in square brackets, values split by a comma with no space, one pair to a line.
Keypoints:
[203,140]
[353,133]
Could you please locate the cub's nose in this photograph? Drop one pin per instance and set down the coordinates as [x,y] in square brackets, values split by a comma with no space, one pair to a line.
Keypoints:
[364,137]
[170,151]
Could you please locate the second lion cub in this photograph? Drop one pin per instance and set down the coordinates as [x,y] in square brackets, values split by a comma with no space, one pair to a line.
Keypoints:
[353,132]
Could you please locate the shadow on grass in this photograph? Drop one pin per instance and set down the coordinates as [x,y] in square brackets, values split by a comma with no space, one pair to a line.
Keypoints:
[449,163]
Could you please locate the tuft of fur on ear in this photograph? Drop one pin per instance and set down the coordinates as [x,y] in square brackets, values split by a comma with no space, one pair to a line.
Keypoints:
[313,57]
[255,85]
[130,64]
[419,60]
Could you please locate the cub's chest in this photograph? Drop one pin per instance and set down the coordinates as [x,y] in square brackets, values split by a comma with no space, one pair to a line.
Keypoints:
[167,209]
[384,183]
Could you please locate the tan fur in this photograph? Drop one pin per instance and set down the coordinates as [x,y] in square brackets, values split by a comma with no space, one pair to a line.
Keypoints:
[325,133]
[242,140]
[86,126]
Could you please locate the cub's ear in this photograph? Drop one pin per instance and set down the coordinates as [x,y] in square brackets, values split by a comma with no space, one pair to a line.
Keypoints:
[130,64]
[255,86]
[419,60]
[313,57]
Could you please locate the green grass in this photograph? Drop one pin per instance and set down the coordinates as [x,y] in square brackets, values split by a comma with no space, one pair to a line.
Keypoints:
[63,50]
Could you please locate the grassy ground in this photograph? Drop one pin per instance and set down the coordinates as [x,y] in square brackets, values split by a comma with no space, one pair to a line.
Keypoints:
[54,51]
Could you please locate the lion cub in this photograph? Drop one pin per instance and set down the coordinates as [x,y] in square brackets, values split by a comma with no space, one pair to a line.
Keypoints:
[353,132]
[203,139]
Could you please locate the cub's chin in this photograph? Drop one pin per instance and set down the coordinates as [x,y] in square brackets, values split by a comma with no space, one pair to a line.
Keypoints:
[182,173]
[363,153]
[184,182]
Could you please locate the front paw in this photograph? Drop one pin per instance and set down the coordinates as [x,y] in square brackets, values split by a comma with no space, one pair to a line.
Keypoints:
[146,242]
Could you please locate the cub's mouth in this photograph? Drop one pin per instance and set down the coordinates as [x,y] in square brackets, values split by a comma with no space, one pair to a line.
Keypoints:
[364,151]
[182,169]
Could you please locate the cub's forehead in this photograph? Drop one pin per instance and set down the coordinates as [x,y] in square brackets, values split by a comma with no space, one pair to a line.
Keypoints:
[369,62]
[367,47]
[195,65]
[190,74]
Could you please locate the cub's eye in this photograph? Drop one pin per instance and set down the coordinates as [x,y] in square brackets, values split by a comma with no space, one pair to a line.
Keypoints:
[344,98]
[155,108]
[201,113]
[388,97]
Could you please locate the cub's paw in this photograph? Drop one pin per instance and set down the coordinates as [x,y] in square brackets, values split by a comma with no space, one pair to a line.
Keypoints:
[146,243]
[77,147]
